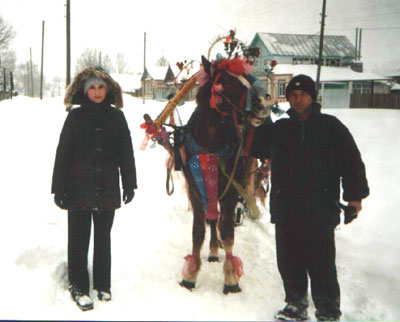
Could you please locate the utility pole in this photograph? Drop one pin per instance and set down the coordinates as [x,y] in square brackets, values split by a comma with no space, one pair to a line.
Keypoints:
[68,19]
[321,46]
[41,67]
[4,83]
[144,69]
[28,82]
[31,71]
[359,44]
[11,85]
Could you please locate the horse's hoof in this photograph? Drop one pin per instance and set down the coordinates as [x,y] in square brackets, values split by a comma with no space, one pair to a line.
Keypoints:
[232,288]
[187,284]
[213,259]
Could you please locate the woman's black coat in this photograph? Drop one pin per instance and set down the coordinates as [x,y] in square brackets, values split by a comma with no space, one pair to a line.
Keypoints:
[95,148]
[309,160]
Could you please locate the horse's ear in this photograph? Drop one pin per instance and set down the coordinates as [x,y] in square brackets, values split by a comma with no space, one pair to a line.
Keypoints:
[206,65]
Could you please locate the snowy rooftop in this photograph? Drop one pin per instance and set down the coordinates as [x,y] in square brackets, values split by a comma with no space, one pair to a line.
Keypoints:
[328,74]
[157,72]
[306,45]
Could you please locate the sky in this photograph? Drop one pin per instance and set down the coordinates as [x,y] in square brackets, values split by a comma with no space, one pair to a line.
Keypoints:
[183,30]
[152,234]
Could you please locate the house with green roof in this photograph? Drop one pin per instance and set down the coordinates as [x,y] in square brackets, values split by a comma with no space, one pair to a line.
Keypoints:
[342,80]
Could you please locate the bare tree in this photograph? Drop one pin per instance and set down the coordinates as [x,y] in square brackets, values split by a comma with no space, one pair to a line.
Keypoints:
[91,58]
[21,79]
[107,64]
[7,34]
[162,61]
[8,59]
[120,64]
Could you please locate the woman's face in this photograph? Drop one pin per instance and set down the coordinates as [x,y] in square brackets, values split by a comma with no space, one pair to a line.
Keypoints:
[97,93]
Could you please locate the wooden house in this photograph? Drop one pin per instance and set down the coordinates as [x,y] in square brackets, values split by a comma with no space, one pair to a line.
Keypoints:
[342,81]
[157,82]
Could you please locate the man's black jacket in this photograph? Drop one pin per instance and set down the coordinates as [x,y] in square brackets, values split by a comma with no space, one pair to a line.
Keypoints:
[309,159]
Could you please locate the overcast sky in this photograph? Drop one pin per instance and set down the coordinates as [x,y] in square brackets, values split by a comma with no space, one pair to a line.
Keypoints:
[182,30]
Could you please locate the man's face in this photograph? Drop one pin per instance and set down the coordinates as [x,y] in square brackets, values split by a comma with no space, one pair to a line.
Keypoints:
[300,101]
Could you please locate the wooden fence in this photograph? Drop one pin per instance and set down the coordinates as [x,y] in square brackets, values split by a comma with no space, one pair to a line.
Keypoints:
[375,100]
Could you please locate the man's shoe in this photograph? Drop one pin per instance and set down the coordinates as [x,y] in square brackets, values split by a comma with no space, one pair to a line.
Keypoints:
[292,313]
[104,296]
[81,299]
[327,317]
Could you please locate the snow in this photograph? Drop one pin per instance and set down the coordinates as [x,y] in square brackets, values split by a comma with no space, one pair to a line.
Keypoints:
[328,74]
[152,234]
[128,82]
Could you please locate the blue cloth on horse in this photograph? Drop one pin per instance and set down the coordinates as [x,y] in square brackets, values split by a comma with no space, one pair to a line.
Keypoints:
[195,168]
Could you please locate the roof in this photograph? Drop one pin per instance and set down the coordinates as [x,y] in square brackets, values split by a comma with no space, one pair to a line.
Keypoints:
[395,87]
[155,72]
[328,74]
[306,45]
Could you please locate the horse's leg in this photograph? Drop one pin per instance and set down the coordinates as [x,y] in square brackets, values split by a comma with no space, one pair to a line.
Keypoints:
[192,265]
[214,242]
[233,269]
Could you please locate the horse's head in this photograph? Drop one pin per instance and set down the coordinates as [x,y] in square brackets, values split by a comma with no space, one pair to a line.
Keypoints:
[232,91]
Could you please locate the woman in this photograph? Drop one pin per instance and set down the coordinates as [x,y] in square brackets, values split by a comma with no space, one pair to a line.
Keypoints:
[95,146]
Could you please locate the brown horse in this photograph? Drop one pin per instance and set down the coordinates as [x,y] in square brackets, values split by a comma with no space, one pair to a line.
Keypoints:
[217,140]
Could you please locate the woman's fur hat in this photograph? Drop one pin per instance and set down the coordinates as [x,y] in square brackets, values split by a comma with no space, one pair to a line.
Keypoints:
[75,93]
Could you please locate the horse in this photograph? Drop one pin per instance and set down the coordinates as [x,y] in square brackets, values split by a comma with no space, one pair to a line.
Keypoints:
[214,149]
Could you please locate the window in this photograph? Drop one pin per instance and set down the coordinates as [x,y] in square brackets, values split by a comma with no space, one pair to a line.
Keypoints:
[148,87]
[302,61]
[332,62]
[281,87]
[361,88]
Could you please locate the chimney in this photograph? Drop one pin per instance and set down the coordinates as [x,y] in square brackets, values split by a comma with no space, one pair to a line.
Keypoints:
[357,66]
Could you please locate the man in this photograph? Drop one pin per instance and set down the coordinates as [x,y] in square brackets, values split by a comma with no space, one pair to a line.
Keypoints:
[310,153]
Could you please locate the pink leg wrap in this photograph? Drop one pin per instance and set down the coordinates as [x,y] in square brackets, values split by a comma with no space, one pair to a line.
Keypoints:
[237,264]
[190,264]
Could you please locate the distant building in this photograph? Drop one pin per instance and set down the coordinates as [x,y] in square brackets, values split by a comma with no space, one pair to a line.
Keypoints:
[342,80]
[157,82]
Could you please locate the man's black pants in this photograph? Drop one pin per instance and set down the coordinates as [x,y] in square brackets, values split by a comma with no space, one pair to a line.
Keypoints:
[309,249]
[79,228]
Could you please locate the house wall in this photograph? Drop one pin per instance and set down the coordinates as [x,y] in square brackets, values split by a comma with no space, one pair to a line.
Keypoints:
[335,95]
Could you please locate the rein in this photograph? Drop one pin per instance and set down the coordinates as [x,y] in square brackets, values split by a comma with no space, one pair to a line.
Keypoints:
[232,176]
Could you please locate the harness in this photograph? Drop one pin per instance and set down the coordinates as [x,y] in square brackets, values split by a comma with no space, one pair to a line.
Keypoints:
[205,166]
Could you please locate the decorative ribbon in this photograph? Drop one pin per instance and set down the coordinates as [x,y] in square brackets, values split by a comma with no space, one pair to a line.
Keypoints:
[204,168]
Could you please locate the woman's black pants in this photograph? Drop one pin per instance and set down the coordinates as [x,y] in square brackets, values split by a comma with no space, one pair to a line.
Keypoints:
[79,229]
[309,250]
